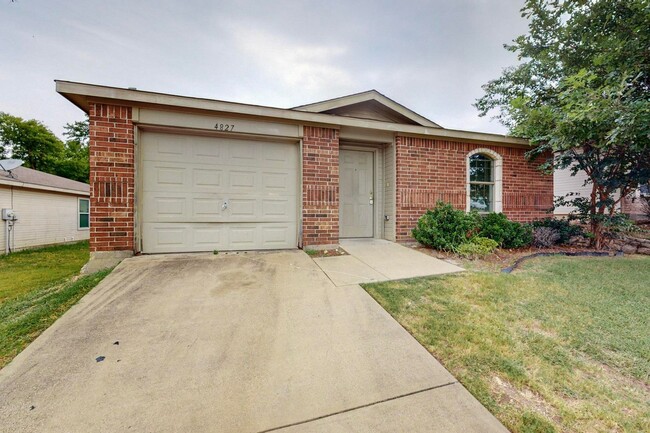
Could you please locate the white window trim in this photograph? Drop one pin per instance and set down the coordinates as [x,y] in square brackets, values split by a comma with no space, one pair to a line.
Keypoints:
[498,178]
[79,213]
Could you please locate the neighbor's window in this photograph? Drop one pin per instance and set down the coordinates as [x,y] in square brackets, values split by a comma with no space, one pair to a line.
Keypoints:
[84,213]
[481,183]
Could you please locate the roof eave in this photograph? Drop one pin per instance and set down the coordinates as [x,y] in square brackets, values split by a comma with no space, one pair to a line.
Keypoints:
[36,186]
[80,94]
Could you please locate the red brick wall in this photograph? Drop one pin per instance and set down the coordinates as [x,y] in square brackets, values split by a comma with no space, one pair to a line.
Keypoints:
[112,178]
[527,192]
[430,170]
[320,186]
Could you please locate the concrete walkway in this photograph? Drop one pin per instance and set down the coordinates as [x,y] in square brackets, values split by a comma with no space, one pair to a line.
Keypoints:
[372,260]
[257,342]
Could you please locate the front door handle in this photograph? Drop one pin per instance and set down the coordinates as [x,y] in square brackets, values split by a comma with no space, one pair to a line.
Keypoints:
[372,198]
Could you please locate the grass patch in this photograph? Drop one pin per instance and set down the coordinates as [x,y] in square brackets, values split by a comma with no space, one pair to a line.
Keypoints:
[36,288]
[561,345]
[27,270]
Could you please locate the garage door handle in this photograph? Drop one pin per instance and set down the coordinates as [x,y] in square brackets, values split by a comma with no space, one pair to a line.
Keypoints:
[225,204]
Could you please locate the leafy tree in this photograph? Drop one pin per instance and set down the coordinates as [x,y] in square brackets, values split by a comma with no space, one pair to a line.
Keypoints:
[30,141]
[581,93]
[74,162]
[35,144]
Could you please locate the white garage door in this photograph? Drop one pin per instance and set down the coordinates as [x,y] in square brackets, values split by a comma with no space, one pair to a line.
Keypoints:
[205,194]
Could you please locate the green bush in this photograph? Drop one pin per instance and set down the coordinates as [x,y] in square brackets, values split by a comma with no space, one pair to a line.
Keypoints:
[508,234]
[445,228]
[565,229]
[477,247]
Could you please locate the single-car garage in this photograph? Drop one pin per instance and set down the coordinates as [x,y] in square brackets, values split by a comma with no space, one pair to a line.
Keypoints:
[203,193]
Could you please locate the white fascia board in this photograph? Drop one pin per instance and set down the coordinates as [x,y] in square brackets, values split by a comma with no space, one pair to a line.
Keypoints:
[80,93]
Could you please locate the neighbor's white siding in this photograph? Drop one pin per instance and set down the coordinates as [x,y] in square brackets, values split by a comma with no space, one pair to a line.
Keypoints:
[389,192]
[44,217]
[564,183]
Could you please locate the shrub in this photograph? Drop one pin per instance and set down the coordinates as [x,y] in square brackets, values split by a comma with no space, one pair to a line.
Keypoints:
[544,237]
[622,224]
[445,228]
[565,229]
[508,234]
[477,247]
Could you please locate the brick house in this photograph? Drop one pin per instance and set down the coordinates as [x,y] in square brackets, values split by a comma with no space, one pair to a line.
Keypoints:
[178,174]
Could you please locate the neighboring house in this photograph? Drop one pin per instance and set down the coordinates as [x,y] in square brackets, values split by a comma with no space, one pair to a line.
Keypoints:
[49,209]
[633,204]
[564,183]
[178,174]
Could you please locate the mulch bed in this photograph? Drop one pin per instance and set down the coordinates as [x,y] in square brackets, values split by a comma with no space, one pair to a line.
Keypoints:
[503,258]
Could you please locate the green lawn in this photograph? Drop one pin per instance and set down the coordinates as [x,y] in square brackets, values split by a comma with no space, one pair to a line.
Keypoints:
[562,345]
[36,288]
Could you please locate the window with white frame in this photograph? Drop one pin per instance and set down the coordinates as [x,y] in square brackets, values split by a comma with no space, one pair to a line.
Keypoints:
[484,181]
[84,213]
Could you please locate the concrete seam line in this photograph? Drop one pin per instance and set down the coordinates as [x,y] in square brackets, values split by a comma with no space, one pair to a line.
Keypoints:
[326,274]
[372,267]
[357,407]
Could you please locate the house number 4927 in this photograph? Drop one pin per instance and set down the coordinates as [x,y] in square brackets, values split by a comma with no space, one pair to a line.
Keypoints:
[224,127]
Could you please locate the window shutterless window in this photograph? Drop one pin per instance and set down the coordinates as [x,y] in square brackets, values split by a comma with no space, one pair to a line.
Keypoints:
[481,183]
[84,213]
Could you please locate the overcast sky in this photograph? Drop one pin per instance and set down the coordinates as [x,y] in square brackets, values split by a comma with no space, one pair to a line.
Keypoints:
[430,55]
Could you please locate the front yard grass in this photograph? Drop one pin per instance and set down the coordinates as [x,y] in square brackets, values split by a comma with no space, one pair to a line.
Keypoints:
[561,345]
[36,288]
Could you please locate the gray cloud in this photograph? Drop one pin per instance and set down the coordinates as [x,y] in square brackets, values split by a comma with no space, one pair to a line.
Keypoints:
[431,56]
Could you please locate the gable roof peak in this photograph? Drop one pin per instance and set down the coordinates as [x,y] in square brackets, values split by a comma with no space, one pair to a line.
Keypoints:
[370,104]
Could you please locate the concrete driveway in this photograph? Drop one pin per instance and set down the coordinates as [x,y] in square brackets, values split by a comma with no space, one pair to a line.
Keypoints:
[253,342]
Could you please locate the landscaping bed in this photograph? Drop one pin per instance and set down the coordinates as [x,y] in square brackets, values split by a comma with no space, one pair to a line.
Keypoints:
[502,257]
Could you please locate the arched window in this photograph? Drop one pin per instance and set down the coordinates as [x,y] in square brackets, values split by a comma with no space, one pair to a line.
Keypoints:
[484,181]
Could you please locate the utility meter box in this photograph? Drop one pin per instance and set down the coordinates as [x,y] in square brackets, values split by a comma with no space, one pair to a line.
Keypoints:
[8,215]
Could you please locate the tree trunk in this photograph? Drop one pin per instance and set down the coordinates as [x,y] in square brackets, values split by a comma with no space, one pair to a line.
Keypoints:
[597,230]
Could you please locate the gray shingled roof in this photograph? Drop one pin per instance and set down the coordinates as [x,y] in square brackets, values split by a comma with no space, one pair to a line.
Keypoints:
[35,177]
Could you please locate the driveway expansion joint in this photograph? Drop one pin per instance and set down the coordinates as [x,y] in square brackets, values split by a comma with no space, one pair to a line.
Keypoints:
[374,403]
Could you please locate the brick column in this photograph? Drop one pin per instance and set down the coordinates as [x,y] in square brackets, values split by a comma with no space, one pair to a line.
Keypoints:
[320,187]
[112,178]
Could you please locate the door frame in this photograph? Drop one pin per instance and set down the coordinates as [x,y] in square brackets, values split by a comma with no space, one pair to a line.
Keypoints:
[378,183]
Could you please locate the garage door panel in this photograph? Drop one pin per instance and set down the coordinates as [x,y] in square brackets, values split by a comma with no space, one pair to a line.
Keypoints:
[178,177]
[202,194]
[171,237]
[178,237]
[170,207]
[198,207]
[223,151]
[205,177]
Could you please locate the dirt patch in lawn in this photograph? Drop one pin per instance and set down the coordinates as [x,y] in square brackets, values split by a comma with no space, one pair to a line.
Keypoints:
[523,398]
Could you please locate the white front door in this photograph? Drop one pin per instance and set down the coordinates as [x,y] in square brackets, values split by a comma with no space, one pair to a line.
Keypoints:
[356,194]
